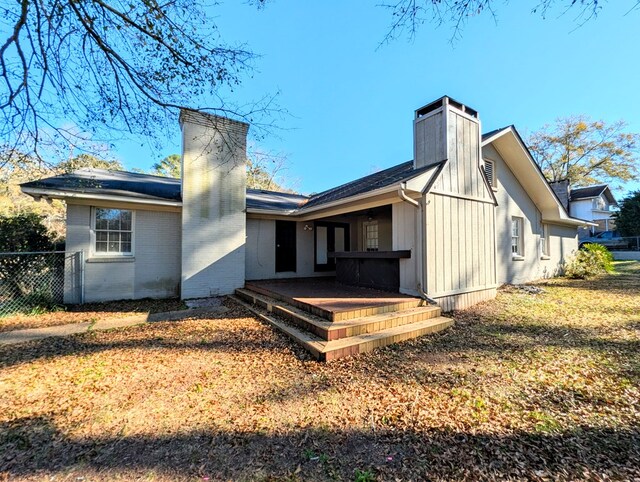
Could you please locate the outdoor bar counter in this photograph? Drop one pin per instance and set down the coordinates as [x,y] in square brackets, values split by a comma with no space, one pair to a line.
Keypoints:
[370,269]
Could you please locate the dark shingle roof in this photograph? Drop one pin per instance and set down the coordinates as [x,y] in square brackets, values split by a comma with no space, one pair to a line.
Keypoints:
[586,192]
[261,199]
[130,184]
[593,191]
[118,183]
[492,133]
[368,183]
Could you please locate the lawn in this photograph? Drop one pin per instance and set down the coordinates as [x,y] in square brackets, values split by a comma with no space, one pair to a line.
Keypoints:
[543,386]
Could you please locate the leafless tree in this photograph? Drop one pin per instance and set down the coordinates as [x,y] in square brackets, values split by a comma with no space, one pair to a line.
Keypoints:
[408,15]
[80,70]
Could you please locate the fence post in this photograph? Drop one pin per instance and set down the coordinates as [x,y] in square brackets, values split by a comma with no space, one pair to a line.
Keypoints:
[81,256]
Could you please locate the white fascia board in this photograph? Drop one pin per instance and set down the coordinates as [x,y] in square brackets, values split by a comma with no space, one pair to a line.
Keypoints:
[55,194]
[358,197]
[304,211]
[274,212]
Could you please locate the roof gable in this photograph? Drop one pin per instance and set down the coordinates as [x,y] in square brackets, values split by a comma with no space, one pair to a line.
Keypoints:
[513,150]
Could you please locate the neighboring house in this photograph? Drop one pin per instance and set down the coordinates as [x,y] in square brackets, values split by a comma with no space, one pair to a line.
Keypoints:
[467,214]
[593,203]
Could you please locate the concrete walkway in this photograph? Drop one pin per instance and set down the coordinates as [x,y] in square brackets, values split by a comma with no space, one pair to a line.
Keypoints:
[32,334]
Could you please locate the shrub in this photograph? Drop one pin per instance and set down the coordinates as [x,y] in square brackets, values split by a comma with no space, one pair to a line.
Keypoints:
[591,260]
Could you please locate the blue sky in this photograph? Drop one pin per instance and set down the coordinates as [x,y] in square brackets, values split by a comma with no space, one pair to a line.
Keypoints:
[351,102]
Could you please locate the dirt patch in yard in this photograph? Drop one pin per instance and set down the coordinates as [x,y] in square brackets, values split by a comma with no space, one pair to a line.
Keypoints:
[524,387]
[89,312]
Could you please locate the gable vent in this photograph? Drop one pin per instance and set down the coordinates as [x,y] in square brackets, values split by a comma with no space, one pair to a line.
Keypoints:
[489,172]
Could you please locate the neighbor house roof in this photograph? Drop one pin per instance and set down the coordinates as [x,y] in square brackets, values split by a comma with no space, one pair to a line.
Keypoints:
[591,192]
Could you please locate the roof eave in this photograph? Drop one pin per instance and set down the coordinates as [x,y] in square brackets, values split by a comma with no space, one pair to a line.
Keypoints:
[64,195]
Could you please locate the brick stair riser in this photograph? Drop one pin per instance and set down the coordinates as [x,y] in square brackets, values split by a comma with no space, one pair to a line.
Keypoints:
[341,316]
[372,345]
[331,335]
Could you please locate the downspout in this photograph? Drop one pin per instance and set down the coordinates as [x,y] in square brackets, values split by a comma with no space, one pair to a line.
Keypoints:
[420,241]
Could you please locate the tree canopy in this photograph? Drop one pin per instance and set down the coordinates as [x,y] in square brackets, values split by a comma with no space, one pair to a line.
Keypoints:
[168,167]
[71,71]
[407,16]
[17,168]
[628,217]
[263,171]
[586,152]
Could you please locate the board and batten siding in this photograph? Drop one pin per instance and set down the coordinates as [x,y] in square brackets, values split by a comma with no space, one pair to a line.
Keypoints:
[429,139]
[461,174]
[460,245]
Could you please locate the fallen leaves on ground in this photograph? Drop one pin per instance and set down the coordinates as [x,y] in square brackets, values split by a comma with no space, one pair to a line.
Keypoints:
[88,312]
[528,386]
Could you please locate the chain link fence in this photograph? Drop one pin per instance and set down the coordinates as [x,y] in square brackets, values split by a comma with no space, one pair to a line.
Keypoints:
[32,282]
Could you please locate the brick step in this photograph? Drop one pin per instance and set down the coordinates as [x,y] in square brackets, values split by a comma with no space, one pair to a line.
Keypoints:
[324,350]
[373,307]
[328,330]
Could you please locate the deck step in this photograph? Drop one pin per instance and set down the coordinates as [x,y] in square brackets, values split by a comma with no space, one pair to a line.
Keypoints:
[374,308]
[336,330]
[324,350]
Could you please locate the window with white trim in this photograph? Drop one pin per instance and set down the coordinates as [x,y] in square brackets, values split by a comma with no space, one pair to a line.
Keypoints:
[113,231]
[544,240]
[371,236]
[516,236]
[490,172]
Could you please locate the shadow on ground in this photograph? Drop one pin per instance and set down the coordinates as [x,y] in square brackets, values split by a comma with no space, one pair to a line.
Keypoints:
[34,446]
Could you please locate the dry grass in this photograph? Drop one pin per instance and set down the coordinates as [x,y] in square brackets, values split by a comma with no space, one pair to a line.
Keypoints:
[524,387]
[88,312]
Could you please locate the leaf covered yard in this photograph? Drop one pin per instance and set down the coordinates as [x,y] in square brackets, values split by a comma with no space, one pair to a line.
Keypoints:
[535,386]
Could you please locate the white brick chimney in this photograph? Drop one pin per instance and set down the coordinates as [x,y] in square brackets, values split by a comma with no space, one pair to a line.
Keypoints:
[213,204]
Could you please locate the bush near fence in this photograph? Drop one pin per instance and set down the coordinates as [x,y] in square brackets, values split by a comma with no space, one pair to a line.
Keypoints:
[34,282]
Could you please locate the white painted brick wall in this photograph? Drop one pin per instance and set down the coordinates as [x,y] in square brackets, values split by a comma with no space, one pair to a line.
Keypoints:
[155,271]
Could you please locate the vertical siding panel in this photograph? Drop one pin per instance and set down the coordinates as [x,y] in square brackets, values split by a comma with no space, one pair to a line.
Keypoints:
[431,258]
[473,161]
[446,229]
[494,240]
[468,266]
[484,257]
[455,245]
[464,134]
[429,139]
[420,140]
[460,149]
[475,243]
[440,244]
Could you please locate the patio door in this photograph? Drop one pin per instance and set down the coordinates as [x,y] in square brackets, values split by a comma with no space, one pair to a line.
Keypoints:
[330,237]
[285,246]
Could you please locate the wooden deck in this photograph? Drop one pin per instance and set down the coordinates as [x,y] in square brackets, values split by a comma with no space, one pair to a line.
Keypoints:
[328,299]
